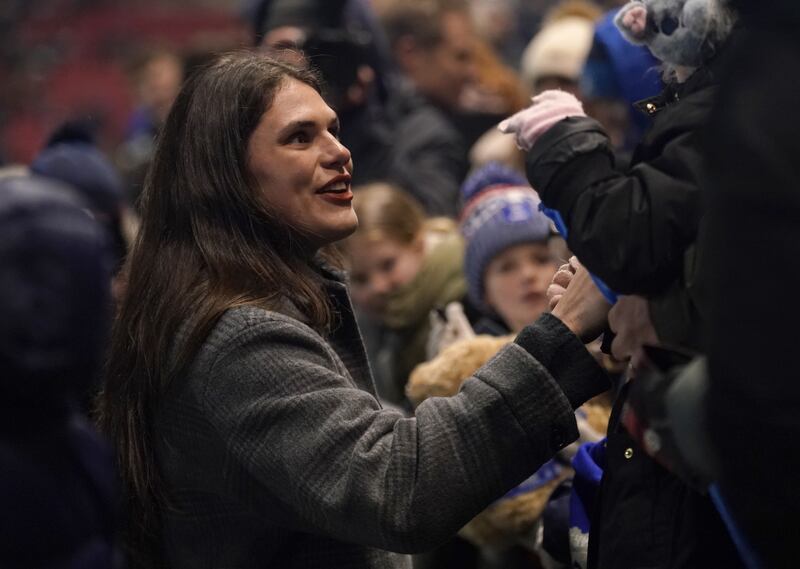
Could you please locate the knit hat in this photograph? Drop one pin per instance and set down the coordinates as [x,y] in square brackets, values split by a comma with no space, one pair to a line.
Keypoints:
[685,33]
[561,47]
[500,210]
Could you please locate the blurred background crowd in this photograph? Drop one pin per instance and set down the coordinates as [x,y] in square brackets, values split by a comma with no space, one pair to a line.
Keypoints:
[117,66]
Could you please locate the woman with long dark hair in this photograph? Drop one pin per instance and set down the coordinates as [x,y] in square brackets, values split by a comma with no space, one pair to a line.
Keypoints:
[237,391]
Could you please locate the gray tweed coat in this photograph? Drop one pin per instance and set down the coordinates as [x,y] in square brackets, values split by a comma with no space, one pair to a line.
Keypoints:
[277,454]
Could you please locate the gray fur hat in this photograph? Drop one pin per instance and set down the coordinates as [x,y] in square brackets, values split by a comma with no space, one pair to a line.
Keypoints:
[684,33]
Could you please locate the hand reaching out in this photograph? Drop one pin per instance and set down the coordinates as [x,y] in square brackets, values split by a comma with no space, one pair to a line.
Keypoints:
[561,280]
[528,125]
[582,308]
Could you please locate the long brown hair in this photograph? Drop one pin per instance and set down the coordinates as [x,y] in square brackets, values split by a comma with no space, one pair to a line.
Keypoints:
[207,243]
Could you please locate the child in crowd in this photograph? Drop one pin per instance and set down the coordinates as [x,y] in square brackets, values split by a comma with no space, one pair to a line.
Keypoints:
[402,267]
[508,262]
[509,267]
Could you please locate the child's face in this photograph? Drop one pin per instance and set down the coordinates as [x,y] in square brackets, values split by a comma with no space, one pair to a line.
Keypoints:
[380,267]
[516,283]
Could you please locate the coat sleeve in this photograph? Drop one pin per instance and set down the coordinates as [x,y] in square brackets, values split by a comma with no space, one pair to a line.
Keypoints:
[630,229]
[680,314]
[299,433]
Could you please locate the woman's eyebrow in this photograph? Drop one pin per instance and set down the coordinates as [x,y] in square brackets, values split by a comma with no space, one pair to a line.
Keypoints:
[296,125]
[303,124]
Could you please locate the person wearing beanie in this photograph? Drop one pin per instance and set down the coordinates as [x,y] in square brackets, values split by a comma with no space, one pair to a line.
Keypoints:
[57,481]
[509,267]
[555,57]
[508,264]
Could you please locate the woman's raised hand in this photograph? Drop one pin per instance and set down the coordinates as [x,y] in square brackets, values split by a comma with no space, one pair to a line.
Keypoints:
[582,307]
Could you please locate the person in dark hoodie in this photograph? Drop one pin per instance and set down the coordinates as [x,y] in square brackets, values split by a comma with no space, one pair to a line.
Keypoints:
[636,230]
[57,481]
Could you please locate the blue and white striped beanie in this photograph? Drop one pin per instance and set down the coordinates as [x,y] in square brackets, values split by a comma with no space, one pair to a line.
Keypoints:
[500,210]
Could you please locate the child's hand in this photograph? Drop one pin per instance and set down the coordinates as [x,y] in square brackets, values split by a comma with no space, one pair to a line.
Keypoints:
[547,109]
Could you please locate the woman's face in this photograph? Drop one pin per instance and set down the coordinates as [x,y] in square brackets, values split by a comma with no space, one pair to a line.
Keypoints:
[380,267]
[301,168]
[516,283]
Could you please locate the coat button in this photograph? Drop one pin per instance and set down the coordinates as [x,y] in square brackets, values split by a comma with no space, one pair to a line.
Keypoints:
[629,453]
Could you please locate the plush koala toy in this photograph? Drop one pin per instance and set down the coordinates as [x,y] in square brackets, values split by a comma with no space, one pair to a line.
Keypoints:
[678,32]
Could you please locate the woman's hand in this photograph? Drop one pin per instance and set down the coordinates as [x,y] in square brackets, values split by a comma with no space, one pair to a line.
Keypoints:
[558,286]
[547,109]
[583,308]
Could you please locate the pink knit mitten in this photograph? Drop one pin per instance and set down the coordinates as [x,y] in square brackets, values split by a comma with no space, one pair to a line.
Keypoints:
[547,109]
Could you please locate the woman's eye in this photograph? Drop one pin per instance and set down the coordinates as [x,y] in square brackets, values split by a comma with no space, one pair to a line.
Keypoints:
[300,138]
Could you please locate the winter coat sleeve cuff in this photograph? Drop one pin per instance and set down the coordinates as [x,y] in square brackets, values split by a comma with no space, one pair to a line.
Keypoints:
[569,139]
[561,352]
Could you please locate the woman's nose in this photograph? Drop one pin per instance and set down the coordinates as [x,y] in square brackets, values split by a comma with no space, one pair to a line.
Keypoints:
[338,154]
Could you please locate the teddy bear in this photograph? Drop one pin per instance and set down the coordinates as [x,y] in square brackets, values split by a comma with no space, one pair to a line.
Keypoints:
[513,519]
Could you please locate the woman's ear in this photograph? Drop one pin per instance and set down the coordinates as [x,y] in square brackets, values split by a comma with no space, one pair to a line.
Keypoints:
[631,20]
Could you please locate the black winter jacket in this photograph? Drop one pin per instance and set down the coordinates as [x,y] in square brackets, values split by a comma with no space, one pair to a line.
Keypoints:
[633,230]
[647,518]
[630,228]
